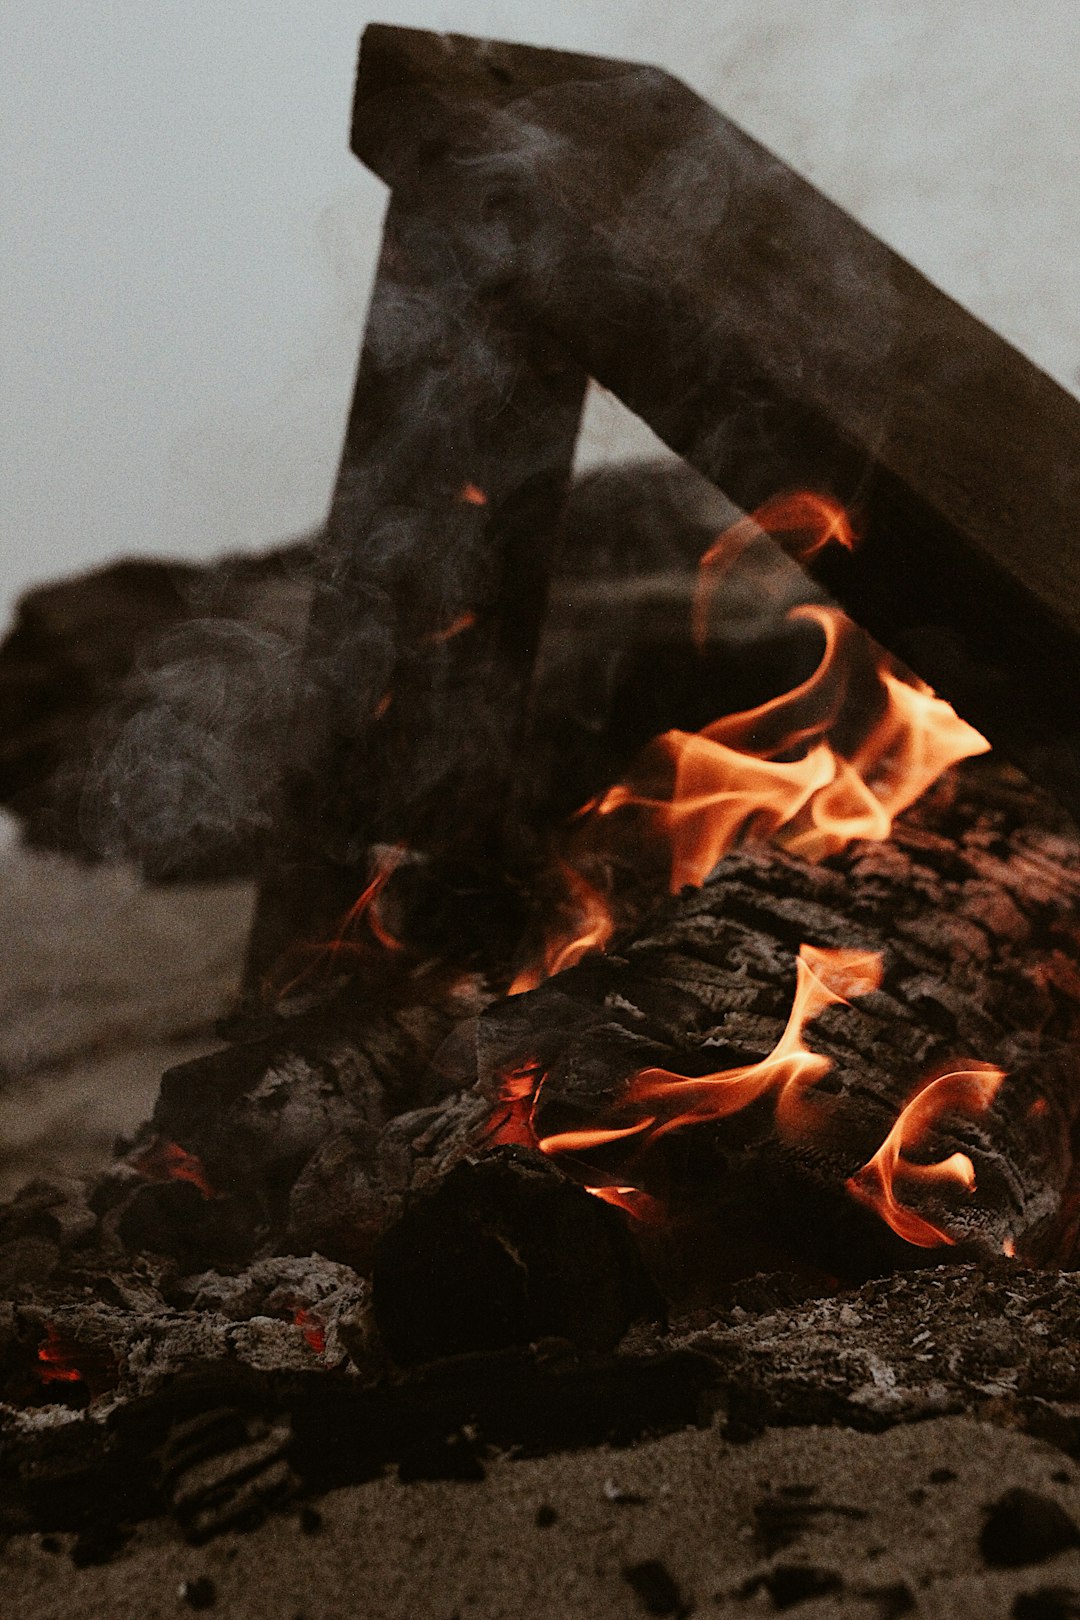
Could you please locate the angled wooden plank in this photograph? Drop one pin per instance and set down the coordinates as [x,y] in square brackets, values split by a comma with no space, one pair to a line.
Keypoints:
[770,339]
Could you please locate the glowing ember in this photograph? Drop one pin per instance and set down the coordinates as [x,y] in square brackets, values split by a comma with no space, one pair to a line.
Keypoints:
[590,930]
[55,1363]
[511,1121]
[168,1161]
[313,1331]
[472,495]
[968,1090]
[464,621]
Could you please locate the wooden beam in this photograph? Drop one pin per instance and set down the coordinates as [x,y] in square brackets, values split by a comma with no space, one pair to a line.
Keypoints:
[771,340]
[431,585]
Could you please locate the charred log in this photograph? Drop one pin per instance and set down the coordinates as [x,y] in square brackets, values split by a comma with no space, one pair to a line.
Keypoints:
[970,909]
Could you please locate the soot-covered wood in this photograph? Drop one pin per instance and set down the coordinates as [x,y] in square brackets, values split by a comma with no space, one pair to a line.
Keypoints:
[431,583]
[773,342]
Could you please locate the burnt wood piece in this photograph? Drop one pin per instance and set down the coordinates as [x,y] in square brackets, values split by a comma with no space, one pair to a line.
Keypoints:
[503,1250]
[772,341]
[196,1446]
[431,583]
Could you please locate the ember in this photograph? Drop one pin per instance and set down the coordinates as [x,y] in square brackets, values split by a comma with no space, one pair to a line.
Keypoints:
[168,1161]
[56,1363]
[313,1330]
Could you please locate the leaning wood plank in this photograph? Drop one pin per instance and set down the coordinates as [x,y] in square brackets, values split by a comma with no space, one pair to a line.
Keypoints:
[772,341]
[430,585]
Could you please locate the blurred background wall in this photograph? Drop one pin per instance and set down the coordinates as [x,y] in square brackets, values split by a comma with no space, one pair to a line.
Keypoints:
[188,244]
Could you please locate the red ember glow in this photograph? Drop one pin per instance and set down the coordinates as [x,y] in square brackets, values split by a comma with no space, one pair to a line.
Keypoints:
[55,1363]
[312,1329]
[464,621]
[472,495]
[168,1161]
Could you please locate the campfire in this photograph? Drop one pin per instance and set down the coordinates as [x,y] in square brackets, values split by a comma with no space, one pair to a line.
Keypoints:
[637,934]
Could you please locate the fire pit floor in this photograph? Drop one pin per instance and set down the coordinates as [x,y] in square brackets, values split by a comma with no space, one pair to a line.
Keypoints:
[906,1448]
[972,1511]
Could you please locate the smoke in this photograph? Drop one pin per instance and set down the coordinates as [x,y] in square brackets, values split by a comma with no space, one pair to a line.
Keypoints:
[187,762]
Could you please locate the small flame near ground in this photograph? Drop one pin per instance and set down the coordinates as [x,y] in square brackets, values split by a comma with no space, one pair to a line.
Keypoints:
[168,1161]
[56,1364]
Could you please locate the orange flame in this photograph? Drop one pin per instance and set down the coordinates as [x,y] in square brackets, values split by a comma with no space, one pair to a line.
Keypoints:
[772,770]
[55,1363]
[512,1123]
[168,1161]
[325,955]
[725,781]
[823,978]
[969,1090]
[591,929]
[472,495]
[808,522]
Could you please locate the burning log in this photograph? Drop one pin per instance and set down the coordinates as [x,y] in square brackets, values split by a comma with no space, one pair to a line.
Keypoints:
[842,1067]
[923,1050]
[773,342]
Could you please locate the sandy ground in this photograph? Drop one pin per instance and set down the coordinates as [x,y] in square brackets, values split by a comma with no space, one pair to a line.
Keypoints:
[104,982]
[874,1525]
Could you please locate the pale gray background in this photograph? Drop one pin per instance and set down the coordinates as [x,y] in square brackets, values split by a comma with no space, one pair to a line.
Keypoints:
[189,245]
